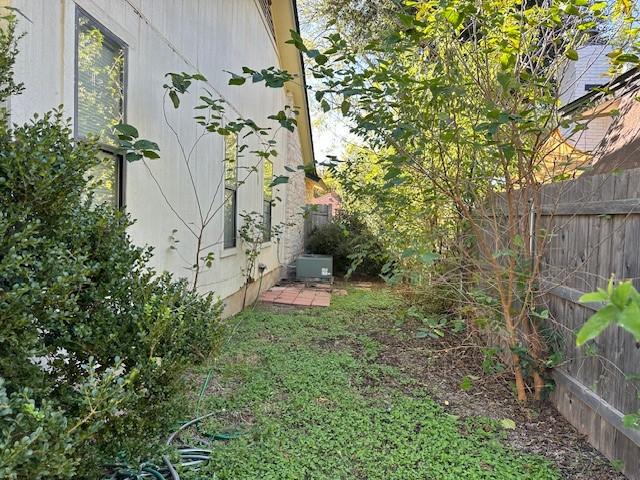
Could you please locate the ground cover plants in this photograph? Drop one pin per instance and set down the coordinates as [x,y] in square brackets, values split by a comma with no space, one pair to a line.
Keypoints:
[314,393]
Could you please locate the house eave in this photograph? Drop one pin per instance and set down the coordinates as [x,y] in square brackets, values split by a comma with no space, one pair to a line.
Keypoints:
[285,19]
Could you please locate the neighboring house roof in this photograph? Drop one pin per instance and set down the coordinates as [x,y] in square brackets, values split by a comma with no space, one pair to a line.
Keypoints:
[285,19]
[561,159]
[620,147]
[601,96]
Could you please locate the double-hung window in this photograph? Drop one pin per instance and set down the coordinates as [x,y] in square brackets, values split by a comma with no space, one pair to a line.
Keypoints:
[267,198]
[100,102]
[230,189]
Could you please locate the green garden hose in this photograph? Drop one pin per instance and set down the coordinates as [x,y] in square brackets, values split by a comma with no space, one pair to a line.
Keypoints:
[190,458]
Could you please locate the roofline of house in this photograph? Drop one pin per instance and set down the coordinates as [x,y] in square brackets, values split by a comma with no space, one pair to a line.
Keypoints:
[306,93]
[285,16]
[313,176]
[598,95]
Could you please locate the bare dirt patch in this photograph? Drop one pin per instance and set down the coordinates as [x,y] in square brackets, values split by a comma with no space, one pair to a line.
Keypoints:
[450,369]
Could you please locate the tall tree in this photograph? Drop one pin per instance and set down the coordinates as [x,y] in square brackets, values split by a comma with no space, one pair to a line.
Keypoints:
[464,95]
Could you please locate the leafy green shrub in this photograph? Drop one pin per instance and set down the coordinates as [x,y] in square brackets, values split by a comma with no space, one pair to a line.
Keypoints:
[354,248]
[433,298]
[93,341]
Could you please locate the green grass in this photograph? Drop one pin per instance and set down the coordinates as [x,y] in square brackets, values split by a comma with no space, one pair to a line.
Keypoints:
[305,399]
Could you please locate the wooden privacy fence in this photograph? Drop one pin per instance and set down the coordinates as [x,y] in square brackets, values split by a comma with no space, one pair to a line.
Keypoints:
[317,215]
[592,230]
[589,229]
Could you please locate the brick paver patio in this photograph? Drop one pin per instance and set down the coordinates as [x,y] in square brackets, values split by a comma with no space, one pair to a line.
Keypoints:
[298,295]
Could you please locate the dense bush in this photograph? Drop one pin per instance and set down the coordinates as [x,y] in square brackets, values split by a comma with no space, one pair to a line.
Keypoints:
[354,248]
[433,297]
[92,340]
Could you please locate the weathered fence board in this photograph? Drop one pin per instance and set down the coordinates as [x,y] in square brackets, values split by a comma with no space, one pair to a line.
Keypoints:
[593,231]
[317,215]
[589,229]
[610,207]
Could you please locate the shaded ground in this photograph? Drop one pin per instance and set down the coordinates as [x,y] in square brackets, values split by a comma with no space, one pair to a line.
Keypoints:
[349,392]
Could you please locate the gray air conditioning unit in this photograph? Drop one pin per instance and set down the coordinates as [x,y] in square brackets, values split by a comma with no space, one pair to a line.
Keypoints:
[314,267]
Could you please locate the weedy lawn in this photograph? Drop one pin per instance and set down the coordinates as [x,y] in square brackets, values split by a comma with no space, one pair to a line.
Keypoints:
[299,394]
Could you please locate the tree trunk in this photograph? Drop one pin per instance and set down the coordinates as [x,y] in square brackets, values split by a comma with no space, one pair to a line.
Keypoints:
[535,346]
[521,390]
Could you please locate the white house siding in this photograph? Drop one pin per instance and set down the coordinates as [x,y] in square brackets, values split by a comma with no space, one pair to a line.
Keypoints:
[208,36]
[591,68]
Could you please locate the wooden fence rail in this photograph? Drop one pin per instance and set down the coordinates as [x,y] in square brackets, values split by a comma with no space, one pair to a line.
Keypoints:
[317,215]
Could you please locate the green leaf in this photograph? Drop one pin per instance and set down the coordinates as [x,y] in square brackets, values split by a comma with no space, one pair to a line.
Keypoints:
[571,54]
[466,384]
[508,151]
[505,79]
[452,16]
[325,106]
[297,41]
[237,80]
[280,179]
[145,145]
[507,60]
[174,98]
[429,258]
[150,154]
[631,420]
[132,157]
[508,424]
[544,314]
[571,10]
[598,6]
[627,58]
[321,59]
[597,323]
[345,107]
[621,293]
[127,129]
[593,297]
[629,319]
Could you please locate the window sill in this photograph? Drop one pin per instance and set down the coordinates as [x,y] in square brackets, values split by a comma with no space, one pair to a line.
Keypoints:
[229,252]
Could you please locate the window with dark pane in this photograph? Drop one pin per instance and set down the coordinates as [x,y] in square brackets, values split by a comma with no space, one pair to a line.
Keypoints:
[230,190]
[267,199]
[100,100]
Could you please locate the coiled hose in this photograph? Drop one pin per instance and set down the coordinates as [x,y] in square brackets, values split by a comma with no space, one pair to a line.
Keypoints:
[190,458]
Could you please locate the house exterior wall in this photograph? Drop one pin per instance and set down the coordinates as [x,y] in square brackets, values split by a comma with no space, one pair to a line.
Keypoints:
[591,68]
[293,235]
[206,36]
